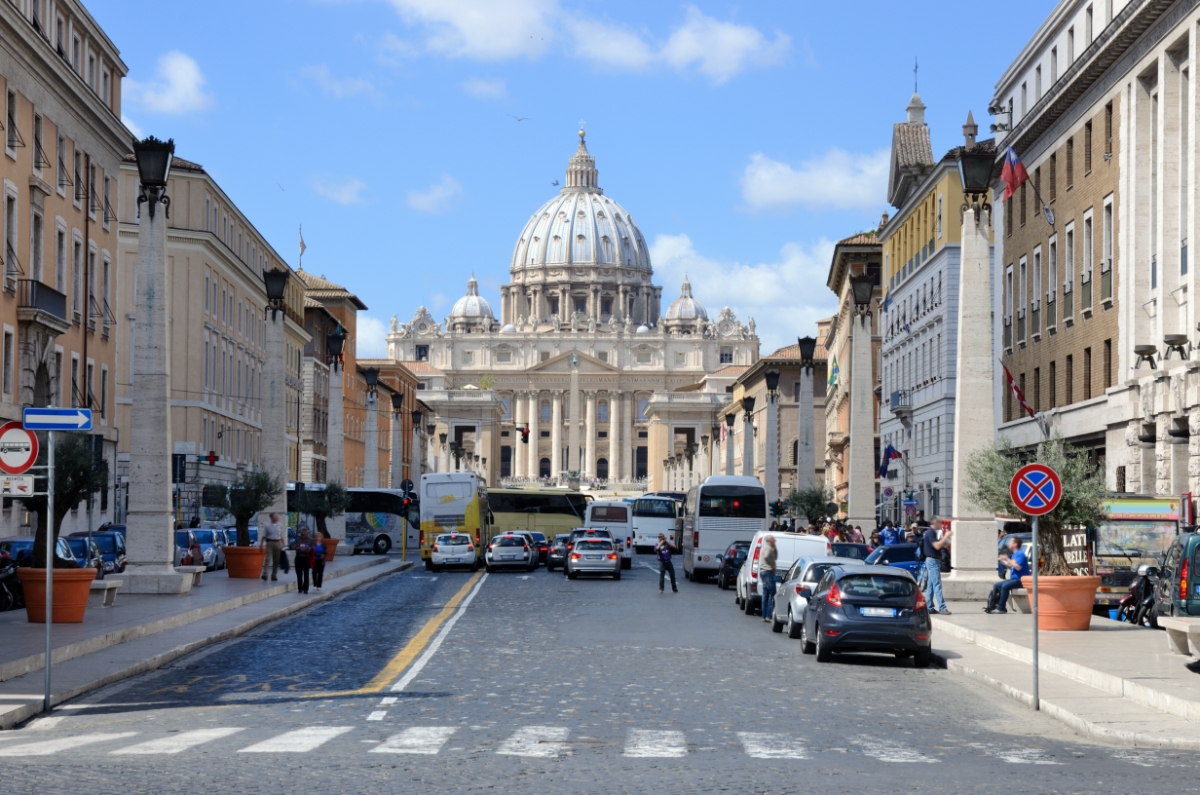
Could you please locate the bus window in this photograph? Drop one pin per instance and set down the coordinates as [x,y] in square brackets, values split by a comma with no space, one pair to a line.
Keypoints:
[449,491]
[658,508]
[610,513]
[733,502]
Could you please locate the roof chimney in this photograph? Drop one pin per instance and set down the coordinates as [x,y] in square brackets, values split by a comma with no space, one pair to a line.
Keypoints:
[970,130]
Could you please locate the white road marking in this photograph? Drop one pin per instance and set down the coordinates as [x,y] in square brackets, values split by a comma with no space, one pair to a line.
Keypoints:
[42,724]
[48,747]
[651,743]
[761,745]
[177,742]
[424,659]
[890,751]
[543,741]
[416,740]
[387,701]
[378,714]
[523,577]
[297,741]
[1025,756]
[431,579]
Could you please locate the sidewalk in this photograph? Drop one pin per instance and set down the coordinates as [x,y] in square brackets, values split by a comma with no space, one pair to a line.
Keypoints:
[1114,682]
[142,632]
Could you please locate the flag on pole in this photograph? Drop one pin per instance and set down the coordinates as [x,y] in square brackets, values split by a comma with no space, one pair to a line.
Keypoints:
[1016,390]
[889,453]
[1013,174]
[833,372]
[302,246]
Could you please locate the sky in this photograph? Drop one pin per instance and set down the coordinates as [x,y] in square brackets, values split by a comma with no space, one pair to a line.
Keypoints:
[413,139]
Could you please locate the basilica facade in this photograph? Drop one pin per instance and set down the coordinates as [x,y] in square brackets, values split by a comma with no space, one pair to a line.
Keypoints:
[581,357]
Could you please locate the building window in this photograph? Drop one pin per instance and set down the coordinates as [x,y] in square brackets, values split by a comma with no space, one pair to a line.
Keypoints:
[468,357]
[1070,46]
[1087,26]
[1087,373]
[1037,84]
[602,356]
[78,175]
[1106,242]
[62,165]
[606,306]
[77,279]
[60,260]
[103,392]
[1053,384]
[939,217]
[1053,65]
[11,137]
[544,412]
[727,356]
[107,208]
[36,233]
[1108,121]
[1037,389]
[543,356]
[680,358]
[1069,380]
[503,357]
[643,357]
[1024,185]
[1053,177]
[1087,148]
[602,411]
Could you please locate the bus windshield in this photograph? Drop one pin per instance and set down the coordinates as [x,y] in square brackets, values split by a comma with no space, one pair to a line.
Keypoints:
[739,502]
[657,508]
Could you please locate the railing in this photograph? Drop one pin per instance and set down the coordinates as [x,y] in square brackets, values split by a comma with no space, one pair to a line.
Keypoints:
[1106,281]
[901,400]
[1035,321]
[1085,300]
[1051,314]
[1008,333]
[32,294]
[1068,300]
[1021,326]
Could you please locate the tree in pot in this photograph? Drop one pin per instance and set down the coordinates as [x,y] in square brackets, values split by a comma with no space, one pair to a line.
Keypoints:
[251,494]
[1065,598]
[812,503]
[322,504]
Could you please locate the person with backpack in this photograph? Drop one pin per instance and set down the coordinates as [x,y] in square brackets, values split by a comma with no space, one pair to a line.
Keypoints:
[318,561]
[663,550]
[930,554]
[303,560]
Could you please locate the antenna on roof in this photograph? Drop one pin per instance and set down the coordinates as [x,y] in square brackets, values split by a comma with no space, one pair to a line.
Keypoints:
[915,68]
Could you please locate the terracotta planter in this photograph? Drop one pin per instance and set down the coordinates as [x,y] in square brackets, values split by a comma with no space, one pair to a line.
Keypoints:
[244,562]
[1064,603]
[71,589]
[331,545]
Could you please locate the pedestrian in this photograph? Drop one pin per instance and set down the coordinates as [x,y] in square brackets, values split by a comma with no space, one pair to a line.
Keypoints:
[774,525]
[195,552]
[318,561]
[271,537]
[195,522]
[1017,563]
[663,549]
[931,547]
[856,535]
[875,540]
[889,535]
[302,560]
[766,575]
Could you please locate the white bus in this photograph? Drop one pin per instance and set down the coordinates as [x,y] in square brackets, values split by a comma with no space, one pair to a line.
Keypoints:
[721,510]
[653,515]
[613,516]
[454,502]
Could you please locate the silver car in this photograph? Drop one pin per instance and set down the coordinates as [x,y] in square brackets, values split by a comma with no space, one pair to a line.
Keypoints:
[594,556]
[790,604]
[510,551]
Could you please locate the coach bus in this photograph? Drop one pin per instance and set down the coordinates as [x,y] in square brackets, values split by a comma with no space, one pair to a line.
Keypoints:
[538,510]
[454,502]
[377,520]
[719,511]
[653,514]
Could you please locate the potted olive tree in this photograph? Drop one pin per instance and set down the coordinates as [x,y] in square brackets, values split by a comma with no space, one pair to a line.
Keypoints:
[77,476]
[814,504]
[1065,598]
[321,504]
[251,494]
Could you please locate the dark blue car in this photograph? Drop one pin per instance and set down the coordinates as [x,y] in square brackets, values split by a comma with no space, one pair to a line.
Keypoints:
[902,556]
[112,548]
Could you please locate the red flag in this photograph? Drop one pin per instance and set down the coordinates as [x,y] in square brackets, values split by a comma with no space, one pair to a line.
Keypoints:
[1013,174]
[1016,390]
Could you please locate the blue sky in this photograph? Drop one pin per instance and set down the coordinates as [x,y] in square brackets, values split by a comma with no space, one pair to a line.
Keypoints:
[743,139]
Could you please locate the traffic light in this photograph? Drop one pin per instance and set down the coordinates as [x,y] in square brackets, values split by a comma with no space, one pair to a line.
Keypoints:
[524,435]
[777,508]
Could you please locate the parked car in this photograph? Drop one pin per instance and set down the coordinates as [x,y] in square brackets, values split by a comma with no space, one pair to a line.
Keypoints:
[20,549]
[594,556]
[901,556]
[1177,592]
[452,549]
[616,517]
[211,541]
[845,549]
[791,598]
[731,562]
[867,608]
[557,554]
[112,548]
[542,545]
[510,551]
[789,547]
[231,535]
[86,554]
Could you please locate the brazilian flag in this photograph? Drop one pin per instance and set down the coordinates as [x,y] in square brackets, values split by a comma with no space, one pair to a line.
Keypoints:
[833,372]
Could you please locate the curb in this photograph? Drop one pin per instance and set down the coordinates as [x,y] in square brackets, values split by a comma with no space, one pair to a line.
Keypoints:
[22,713]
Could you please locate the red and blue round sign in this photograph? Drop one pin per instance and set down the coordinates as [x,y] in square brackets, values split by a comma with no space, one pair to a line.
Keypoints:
[1035,489]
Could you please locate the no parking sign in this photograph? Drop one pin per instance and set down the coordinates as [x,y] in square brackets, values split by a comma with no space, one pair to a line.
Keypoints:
[1035,489]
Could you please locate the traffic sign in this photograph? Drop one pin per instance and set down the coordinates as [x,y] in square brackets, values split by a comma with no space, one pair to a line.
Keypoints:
[48,419]
[888,493]
[910,508]
[16,486]
[1035,489]
[18,448]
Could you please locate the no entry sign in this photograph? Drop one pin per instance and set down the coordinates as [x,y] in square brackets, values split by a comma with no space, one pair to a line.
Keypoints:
[18,448]
[1035,489]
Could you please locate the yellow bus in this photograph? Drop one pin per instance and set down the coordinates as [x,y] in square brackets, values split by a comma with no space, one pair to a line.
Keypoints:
[538,510]
[454,502]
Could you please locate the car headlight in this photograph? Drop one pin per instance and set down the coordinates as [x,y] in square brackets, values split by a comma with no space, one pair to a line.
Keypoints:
[208,553]
[108,565]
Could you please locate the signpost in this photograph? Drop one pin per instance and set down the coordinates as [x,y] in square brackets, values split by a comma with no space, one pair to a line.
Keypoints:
[18,449]
[1036,490]
[910,508]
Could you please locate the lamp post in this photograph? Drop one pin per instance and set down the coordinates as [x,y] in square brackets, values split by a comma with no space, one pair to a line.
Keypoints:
[748,440]
[771,443]
[861,473]
[335,437]
[806,460]
[371,456]
[150,522]
[274,401]
[397,468]
[730,419]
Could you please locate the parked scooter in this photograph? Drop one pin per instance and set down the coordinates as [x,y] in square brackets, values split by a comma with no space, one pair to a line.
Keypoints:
[12,597]
[1138,606]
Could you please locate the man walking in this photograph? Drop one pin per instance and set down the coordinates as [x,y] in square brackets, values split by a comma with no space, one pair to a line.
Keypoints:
[766,575]
[931,548]
[271,537]
[888,535]
[663,549]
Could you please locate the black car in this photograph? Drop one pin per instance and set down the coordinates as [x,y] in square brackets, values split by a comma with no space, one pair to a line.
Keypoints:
[731,562]
[867,608]
[542,545]
[845,549]
[556,555]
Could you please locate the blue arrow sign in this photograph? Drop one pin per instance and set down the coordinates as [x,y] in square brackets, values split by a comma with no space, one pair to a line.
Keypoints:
[46,419]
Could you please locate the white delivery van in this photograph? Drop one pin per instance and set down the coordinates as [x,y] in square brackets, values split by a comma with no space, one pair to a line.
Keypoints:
[789,547]
[617,518]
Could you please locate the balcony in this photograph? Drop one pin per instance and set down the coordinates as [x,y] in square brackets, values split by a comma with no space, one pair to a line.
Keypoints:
[901,404]
[41,304]
[1106,281]
[1008,334]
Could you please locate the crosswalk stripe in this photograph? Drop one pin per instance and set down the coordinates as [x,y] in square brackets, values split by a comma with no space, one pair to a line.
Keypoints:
[544,741]
[761,745]
[890,751]
[297,741]
[48,747]
[416,740]
[177,742]
[651,743]
[378,714]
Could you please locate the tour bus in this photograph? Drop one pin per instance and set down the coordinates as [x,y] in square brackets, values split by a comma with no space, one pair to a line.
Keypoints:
[613,516]
[652,515]
[454,502]
[538,510]
[719,511]
[377,520]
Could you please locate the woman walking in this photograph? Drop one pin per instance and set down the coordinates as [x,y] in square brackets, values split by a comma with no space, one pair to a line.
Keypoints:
[303,560]
[318,561]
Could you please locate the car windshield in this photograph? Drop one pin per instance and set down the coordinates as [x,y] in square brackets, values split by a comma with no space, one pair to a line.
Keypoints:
[855,551]
[876,586]
[205,536]
[107,544]
[510,541]
[817,571]
[561,540]
[594,545]
[610,513]
[539,537]
[181,539]
[590,534]
[78,546]
[453,540]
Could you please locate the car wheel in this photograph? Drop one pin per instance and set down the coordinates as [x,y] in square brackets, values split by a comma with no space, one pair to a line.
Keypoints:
[382,545]
[428,563]
[923,658]
[490,570]
[687,575]
[748,608]
[475,565]
[436,568]
[776,625]
[806,645]
[571,575]
[793,629]
[617,576]
[356,551]
[823,653]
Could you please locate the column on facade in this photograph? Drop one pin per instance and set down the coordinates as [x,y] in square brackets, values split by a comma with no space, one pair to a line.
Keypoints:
[589,464]
[533,414]
[628,406]
[616,470]
[371,443]
[519,407]
[556,423]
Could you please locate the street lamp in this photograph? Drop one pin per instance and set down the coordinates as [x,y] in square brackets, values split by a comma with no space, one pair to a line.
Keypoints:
[372,376]
[863,288]
[808,349]
[975,172]
[772,377]
[397,402]
[154,166]
[275,281]
[335,343]
[748,405]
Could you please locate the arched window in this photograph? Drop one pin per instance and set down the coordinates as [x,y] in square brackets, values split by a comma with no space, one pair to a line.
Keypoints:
[602,411]
[544,468]
[642,403]
[545,412]
[602,468]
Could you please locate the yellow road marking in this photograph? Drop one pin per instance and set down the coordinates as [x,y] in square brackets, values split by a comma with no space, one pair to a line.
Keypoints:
[411,649]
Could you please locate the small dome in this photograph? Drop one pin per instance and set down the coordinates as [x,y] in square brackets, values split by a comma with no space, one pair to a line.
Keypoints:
[685,307]
[643,330]
[508,328]
[472,306]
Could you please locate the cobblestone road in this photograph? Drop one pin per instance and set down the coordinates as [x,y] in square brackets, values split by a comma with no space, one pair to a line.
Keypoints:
[545,685]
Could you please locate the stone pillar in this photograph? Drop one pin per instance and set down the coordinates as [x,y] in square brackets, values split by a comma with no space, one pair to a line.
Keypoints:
[702,468]
[150,523]
[627,465]
[616,468]
[519,407]
[589,464]
[806,454]
[274,414]
[533,458]
[371,457]
[335,447]
[748,444]
[771,448]
[397,468]
[861,501]
[973,550]
[572,463]
[556,433]
[729,444]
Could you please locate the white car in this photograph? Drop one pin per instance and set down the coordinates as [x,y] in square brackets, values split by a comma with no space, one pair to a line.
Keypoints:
[790,547]
[510,551]
[453,549]
[528,536]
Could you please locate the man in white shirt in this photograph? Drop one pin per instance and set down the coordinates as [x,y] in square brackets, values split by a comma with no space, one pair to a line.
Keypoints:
[271,537]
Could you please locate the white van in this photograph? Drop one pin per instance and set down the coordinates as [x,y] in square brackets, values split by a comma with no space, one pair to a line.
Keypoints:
[617,518]
[653,515]
[789,547]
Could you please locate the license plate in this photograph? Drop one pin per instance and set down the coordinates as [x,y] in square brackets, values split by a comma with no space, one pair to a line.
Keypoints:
[508,557]
[878,612]
[453,560]
[592,557]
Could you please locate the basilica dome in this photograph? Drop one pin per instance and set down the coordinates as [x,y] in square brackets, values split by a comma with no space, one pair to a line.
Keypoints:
[581,226]
[685,307]
[472,307]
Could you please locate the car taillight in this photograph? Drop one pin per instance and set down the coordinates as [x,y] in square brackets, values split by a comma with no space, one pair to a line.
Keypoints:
[798,590]
[695,539]
[470,548]
[611,556]
[834,597]
[476,536]
[920,601]
[574,556]
[422,538]
[435,549]
[629,542]
[1183,582]
[754,562]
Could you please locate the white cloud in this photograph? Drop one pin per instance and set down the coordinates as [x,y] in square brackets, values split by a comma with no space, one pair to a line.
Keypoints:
[178,86]
[785,297]
[610,45]
[438,197]
[720,50]
[837,179]
[343,190]
[485,89]
[132,126]
[484,29]
[371,337]
[339,87]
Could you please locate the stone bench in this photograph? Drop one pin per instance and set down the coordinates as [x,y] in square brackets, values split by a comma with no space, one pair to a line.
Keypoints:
[195,571]
[1179,631]
[1019,597]
[103,593]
